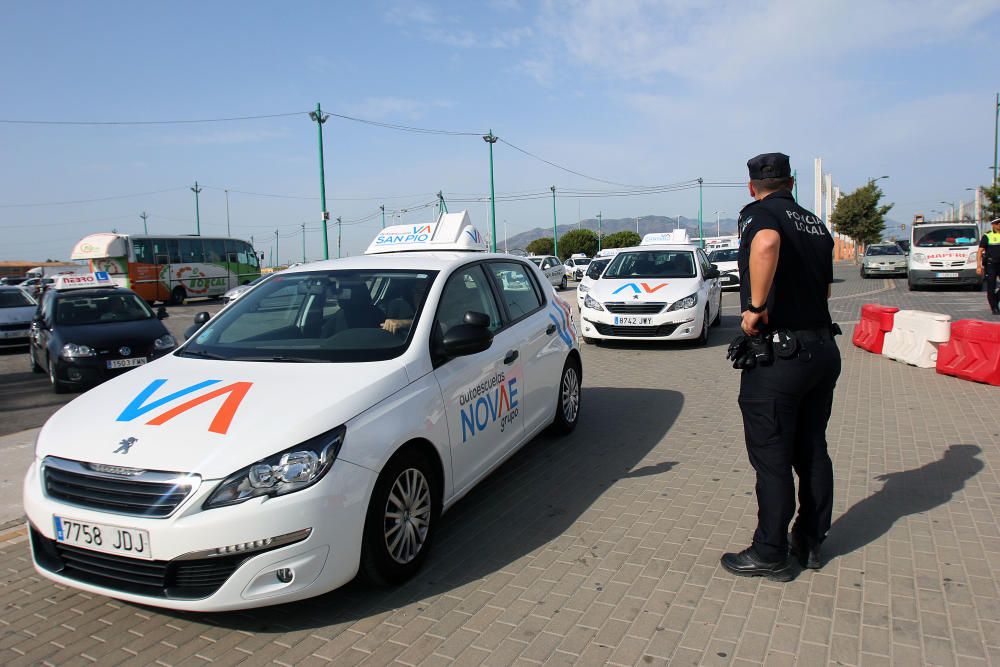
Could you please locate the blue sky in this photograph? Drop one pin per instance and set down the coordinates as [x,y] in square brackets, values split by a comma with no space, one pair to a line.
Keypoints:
[627,91]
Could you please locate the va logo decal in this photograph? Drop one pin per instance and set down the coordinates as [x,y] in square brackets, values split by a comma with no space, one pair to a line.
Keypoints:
[560,316]
[234,393]
[646,287]
[474,235]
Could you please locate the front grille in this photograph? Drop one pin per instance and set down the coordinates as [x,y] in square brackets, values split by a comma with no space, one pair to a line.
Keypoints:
[14,327]
[638,308]
[182,579]
[636,332]
[150,493]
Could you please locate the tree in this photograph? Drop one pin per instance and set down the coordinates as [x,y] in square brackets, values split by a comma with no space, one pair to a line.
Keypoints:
[991,202]
[860,217]
[625,239]
[576,241]
[542,246]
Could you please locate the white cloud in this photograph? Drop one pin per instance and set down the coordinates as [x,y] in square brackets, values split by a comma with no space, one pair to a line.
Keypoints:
[446,29]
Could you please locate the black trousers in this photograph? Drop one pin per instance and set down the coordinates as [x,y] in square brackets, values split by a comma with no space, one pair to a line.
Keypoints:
[786,407]
[992,269]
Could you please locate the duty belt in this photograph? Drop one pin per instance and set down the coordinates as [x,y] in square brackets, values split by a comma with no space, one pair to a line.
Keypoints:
[812,335]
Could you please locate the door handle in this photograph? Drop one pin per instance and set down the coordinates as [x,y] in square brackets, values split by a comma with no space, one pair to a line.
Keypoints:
[551,329]
[511,357]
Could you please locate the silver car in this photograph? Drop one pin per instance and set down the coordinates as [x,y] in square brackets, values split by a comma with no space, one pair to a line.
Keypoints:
[17,309]
[883,259]
[240,290]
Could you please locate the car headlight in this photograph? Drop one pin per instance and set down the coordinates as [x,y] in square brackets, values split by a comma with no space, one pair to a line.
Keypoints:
[591,302]
[292,470]
[74,351]
[164,342]
[972,256]
[687,302]
[919,257]
[582,288]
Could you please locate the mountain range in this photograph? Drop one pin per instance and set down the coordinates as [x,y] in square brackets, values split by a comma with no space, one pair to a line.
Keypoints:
[648,224]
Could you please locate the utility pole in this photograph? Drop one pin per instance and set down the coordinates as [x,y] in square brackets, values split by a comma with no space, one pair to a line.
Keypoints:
[491,139]
[718,224]
[228,232]
[319,118]
[996,127]
[303,243]
[145,229]
[197,210]
[505,237]
[277,255]
[599,230]
[339,228]
[637,225]
[555,228]
[382,208]
[442,205]
[701,227]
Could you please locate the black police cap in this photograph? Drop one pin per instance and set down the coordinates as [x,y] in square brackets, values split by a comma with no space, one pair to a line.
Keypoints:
[769,165]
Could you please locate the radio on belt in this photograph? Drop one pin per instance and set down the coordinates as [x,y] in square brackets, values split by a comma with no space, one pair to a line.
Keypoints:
[452,231]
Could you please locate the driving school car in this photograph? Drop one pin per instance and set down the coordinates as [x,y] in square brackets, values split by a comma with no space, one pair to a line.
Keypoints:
[654,292]
[315,428]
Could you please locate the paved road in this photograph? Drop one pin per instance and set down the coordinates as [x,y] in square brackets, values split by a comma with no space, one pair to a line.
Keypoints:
[603,547]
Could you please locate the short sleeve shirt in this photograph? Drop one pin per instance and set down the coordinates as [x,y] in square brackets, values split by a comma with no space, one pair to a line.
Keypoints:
[992,249]
[798,297]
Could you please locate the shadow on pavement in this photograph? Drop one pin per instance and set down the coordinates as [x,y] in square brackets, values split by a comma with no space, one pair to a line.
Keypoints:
[906,492]
[529,501]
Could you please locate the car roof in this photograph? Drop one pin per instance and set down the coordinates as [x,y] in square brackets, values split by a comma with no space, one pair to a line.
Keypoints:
[664,246]
[406,261]
[95,291]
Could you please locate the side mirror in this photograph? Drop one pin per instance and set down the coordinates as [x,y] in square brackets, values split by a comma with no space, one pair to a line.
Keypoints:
[470,338]
[477,319]
[161,313]
[712,272]
[202,317]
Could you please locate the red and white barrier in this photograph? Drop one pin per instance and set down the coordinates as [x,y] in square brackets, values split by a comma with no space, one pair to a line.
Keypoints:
[973,353]
[876,320]
[916,336]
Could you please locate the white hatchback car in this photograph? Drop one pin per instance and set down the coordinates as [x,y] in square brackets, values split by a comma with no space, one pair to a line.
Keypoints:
[594,271]
[726,260]
[316,427]
[654,292]
[552,268]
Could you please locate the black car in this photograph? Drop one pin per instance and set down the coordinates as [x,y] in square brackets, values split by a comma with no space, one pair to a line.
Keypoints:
[83,337]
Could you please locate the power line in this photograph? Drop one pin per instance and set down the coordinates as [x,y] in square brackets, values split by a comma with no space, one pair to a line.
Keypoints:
[88,201]
[149,122]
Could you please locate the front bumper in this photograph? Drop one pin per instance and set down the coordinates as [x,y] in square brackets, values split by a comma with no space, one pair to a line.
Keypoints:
[90,371]
[673,325]
[334,509]
[14,335]
[965,276]
[729,279]
[884,270]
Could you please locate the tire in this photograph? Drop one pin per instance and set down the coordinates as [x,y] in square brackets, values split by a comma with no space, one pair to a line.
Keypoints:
[912,286]
[411,477]
[564,283]
[57,386]
[702,339]
[863,274]
[568,400]
[718,315]
[177,296]
[35,366]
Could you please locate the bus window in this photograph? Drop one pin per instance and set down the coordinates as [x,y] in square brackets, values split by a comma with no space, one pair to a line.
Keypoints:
[215,250]
[143,250]
[190,250]
[160,252]
[246,255]
[175,252]
[232,250]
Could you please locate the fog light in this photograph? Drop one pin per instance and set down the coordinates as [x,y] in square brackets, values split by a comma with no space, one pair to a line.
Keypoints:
[284,575]
[75,375]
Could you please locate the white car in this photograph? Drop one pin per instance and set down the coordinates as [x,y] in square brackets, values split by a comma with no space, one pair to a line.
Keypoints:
[240,290]
[575,266]
[594,271]
[726,260]
[17,310]
[553,270]
[654,292]
[316,427]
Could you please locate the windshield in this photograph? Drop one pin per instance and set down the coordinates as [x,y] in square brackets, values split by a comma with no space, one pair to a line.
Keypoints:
[74,309]
[319,316]
[580,262]
[596,268]
[14,298]
[652,264]
[537,261]
[943,237]
[883,250]
[729,255]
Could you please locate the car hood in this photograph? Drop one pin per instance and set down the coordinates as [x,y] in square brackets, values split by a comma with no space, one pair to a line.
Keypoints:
[17,315]
[631,290]
[213,417]
[109,335]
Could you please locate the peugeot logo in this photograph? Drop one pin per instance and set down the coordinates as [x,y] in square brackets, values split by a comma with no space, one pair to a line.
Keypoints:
[124,350]
[125,445]
[635,297]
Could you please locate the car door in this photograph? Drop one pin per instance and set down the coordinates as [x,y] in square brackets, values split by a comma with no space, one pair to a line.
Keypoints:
[712,286]
[482,392]
[41,328]
[541,350]
[553,270]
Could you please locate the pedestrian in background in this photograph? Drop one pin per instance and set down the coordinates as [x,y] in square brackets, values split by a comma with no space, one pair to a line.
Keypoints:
[786,269]
[988,258]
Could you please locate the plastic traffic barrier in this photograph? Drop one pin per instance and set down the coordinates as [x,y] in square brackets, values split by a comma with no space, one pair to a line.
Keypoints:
[915,337]
[973,353]
[876,320]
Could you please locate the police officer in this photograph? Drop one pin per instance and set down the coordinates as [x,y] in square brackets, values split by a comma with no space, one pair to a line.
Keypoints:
[786,269]
[989,257]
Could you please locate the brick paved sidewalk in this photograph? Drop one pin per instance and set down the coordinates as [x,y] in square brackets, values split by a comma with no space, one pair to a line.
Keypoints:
[603,547]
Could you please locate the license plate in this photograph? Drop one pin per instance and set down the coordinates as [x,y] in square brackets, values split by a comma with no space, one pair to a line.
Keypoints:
[130,542]
[633,321]
[126,363]
[946,275]
[14,334]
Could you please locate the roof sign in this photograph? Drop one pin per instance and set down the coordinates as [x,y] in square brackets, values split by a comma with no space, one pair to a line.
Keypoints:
[452,231]
[676,237]
[83,281]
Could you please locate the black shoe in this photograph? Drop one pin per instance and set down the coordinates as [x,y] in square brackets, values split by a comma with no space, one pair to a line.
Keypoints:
[748,564]
[996,311]
[805,550]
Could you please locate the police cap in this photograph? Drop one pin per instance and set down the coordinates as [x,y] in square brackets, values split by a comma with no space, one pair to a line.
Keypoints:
[769,165]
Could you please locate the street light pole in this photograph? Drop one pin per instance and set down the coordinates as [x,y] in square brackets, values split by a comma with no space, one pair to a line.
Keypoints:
[555,228]
[701,228]
[382,208]
[996,126]
[491,139]
[145,229]
[228,232]
[339,235]
[303,243]
[718,223]
[197,210]
[599,234]
[951,213]
[277,247]
[319,118]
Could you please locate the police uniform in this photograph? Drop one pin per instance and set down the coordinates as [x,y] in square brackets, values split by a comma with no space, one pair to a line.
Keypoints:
[990,244]
[786,405]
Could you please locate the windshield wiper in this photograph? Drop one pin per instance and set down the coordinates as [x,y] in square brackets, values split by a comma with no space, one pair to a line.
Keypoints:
[201,353]
[282,358]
